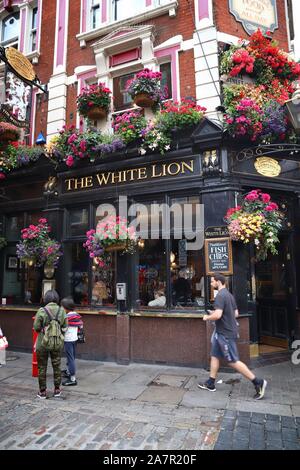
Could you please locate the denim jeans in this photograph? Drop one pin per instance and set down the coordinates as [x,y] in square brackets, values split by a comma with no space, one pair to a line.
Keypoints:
[70,350]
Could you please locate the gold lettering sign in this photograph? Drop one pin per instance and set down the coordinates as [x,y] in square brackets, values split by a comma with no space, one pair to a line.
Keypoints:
[254,14]
[20,63]
[156,170]
[267,167]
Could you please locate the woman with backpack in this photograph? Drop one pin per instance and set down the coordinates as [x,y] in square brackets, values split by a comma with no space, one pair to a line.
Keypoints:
[51,324]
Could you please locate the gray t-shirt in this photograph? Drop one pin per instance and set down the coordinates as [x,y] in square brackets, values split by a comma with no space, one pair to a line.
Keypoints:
[226,325]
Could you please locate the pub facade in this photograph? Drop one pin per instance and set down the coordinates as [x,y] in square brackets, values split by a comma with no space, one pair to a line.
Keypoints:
[204,168]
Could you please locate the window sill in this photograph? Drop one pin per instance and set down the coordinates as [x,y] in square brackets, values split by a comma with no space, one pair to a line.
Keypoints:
[33,56]
[170,8]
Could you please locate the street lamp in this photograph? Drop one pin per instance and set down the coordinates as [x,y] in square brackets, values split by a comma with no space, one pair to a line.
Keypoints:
[293,107]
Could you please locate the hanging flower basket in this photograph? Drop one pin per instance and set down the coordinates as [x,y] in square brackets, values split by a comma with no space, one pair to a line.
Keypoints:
[94,101]
[116,247]
[96,112]
[143,100]
[8,132]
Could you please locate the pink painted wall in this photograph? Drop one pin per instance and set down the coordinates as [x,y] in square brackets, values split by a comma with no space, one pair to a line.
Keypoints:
[60,52]
[203,9]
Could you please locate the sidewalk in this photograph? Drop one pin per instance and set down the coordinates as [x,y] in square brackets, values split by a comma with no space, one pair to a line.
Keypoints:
[148,407]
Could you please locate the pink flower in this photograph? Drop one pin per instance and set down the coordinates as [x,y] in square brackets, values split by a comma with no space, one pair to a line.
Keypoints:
[2,176]
[265,198]
[70,161]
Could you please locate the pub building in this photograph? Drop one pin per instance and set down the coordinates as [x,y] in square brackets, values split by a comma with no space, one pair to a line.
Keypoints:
[205,167]
[202,169]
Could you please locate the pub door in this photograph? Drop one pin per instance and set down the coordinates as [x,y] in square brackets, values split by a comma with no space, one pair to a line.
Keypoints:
[274,297]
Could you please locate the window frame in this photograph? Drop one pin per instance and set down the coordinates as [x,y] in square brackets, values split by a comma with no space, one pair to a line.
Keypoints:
[33,30]
[15,40]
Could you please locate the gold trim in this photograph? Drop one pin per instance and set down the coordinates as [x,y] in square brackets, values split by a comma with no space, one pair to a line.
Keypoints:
[20,63]
[273,341]
[254,350]
[267,166]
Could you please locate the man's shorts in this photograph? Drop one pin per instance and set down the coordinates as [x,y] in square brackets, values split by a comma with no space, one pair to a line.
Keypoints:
[224,348]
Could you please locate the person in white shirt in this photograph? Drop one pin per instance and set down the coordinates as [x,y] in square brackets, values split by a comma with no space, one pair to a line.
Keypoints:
[159,299]
[71,336]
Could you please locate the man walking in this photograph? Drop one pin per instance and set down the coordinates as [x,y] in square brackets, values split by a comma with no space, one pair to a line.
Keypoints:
[224,339]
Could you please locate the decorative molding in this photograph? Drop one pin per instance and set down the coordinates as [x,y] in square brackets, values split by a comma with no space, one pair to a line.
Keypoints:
[169,8]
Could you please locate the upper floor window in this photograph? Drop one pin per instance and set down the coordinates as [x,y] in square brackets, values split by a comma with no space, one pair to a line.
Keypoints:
[95,14]
[166,80]
[33,30]
[10,28]
[123,9]
[122,99]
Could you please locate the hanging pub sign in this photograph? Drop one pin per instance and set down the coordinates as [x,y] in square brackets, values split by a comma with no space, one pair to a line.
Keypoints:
[254,14]
[218,256]
[15,91]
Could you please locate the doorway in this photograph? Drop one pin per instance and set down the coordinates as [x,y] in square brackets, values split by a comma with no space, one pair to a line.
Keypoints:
[274,298]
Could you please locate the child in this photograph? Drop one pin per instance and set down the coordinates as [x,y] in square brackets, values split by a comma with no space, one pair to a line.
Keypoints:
[74,322]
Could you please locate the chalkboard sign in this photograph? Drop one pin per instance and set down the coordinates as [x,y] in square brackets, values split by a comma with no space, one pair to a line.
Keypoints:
[218,256]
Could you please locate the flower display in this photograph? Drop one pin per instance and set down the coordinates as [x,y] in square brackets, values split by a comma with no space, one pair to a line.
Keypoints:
[111,233]
[37,246]
[8,131]
[154,139]
[17,155]
[71,145]
[257,111]
[178,115]
[147,83]
[128,126]
[113,230]
[94,96]
[256,220]
[261,57]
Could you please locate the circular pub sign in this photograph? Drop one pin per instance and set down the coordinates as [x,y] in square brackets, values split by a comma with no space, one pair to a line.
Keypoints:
[20,64]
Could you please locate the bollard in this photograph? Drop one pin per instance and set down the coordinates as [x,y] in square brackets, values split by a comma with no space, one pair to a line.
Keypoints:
[34,358]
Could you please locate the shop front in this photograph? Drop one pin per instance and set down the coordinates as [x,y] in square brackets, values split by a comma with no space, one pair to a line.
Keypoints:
[148,305]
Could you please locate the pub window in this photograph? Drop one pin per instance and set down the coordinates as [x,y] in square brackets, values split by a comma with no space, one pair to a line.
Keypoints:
[76,268]
[152,276]
[21,282]
[14,225]
[78,222]
[122,99]
[123,9]
[10,29]
[33,30]
[166,80]
[182,285]
[104,282]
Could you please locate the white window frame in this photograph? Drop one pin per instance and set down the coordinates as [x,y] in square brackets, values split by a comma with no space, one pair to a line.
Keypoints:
[33,30]
[153,10]
[13,42]
[93,6]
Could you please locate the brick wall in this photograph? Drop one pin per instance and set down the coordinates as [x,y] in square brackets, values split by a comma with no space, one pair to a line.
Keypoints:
[226,23]
[187,74]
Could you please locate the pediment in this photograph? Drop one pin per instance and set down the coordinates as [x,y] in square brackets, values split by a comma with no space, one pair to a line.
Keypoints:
[208,130]
[123,34]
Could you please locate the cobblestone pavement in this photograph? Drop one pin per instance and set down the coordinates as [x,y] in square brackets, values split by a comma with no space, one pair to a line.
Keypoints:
[241,430]
[146,407]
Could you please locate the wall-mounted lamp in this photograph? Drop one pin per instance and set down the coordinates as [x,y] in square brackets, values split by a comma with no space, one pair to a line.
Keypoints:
[141,243]
[40,139]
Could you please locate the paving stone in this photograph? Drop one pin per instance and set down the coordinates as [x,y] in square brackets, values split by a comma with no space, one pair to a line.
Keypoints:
[288,422]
